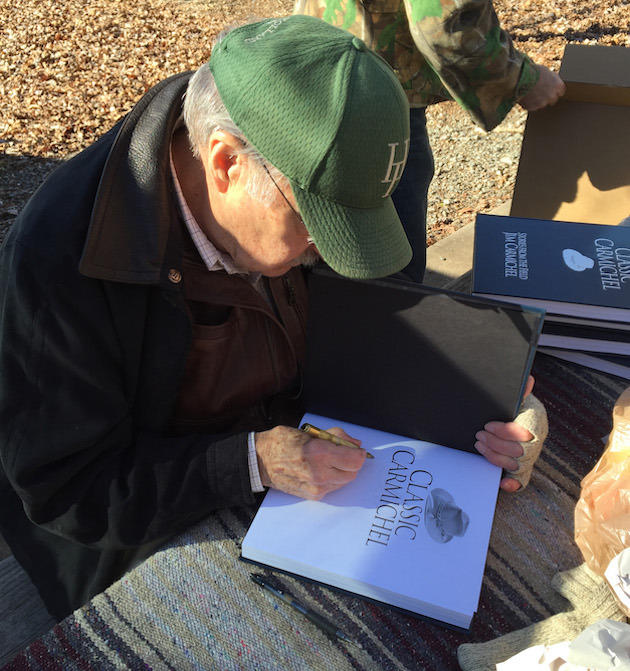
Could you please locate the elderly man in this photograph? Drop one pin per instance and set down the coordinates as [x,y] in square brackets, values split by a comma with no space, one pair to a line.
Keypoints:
[153,301]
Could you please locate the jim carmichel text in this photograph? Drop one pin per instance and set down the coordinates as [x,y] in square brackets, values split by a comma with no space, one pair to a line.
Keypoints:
[401,505]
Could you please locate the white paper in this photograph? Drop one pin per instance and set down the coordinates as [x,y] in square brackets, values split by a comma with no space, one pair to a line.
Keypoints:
[371,535]
[603,645]
[541,657]
[618,577]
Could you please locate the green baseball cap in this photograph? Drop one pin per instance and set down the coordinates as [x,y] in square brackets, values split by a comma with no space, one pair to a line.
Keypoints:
[331,116]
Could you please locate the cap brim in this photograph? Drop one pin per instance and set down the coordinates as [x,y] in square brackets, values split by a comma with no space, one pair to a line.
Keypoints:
[355,242]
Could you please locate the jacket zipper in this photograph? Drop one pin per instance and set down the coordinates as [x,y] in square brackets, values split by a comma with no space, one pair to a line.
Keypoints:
[292,301]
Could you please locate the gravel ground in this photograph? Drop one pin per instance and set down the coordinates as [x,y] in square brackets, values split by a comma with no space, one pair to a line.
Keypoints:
[69,69]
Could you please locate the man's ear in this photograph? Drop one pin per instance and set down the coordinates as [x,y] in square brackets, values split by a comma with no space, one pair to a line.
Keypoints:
[224,163]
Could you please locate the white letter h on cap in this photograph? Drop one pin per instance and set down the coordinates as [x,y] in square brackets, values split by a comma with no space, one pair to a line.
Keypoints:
[395,168]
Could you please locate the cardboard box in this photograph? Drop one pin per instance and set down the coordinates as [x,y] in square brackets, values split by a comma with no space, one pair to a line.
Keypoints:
[575,157]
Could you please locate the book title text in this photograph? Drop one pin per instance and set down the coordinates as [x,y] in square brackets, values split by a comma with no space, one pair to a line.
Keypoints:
[516,255]
[613,263]
[401,504]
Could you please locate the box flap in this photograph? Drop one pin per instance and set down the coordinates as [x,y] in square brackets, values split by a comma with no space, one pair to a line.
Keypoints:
[574,158]
[596,73]
[596,64]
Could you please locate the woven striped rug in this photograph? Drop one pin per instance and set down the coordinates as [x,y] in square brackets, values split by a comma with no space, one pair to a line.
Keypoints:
[192,605]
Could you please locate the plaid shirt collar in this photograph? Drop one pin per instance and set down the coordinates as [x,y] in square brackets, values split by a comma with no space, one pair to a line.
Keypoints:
[212,257]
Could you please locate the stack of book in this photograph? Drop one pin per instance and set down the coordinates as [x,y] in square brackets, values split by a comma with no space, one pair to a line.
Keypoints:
[579,273]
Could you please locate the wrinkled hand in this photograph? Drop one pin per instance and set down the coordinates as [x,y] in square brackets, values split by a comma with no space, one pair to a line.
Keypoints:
[500,444]
[546,91]
[310,468]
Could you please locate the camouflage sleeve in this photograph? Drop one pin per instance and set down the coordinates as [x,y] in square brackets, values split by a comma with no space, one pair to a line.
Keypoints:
[439,49]
[347,14]
[475,59]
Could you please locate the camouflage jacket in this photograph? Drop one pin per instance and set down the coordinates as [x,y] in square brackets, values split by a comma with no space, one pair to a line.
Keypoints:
[440,49]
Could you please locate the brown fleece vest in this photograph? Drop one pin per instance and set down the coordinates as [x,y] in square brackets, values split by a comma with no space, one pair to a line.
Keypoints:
[243,370]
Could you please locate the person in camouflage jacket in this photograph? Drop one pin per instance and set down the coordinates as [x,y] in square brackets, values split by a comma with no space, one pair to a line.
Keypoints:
[441,50]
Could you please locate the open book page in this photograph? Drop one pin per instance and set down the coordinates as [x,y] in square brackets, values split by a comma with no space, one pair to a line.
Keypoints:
[412,529]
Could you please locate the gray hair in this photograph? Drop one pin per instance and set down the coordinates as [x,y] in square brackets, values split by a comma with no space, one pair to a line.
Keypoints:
[205,112]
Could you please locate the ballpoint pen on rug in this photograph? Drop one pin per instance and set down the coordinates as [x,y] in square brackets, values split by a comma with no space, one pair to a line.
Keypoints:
[330,437]
[315,618]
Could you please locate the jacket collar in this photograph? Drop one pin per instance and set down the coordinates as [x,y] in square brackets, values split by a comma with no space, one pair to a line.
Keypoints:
[134,206]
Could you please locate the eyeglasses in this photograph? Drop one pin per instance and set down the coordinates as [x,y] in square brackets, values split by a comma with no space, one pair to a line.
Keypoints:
[297,214]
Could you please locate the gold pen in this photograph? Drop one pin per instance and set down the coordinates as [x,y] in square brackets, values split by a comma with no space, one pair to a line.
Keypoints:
[330,437]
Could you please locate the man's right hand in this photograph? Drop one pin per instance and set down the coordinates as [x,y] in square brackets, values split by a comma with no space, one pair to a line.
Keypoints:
[546,91]
[292,461]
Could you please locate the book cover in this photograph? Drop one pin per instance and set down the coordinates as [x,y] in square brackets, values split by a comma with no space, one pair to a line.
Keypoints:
[593,331]
[412,530]
[581,321]
[585,337]
[606,363]
[554,262]
[415,361]
[585,344]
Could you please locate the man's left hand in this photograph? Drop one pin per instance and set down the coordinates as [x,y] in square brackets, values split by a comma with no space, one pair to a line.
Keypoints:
[500,444]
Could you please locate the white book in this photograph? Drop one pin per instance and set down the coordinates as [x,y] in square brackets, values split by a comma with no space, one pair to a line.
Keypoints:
[561,319]
[613,365]
[412,530]
[584,344]
[582,311]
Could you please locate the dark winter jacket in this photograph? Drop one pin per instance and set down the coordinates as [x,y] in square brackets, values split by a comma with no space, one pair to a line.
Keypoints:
[95,335]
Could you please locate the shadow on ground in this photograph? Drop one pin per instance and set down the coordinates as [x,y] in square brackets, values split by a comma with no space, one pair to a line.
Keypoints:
[20,175]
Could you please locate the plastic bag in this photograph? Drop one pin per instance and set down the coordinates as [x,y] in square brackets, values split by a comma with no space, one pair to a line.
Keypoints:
[602,514]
